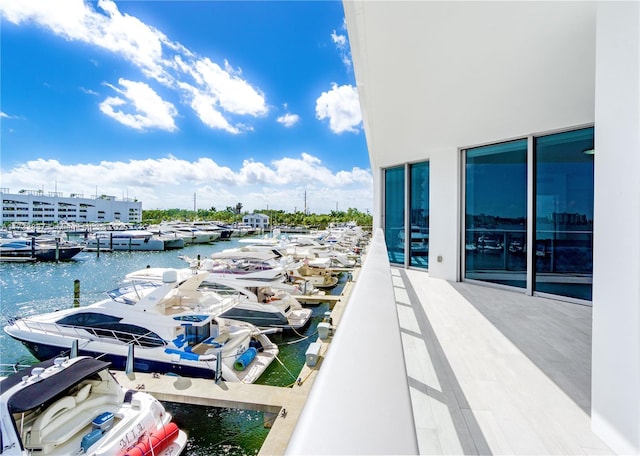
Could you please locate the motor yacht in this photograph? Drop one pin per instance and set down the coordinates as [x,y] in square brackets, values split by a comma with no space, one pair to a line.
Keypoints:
[72,406]
[127,240]
[256,302]
[24,249]
[167,327]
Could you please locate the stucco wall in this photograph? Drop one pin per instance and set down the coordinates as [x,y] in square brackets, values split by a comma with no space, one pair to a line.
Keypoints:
[616,287]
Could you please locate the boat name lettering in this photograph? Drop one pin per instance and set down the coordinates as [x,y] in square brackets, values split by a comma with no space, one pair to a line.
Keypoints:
[131,436]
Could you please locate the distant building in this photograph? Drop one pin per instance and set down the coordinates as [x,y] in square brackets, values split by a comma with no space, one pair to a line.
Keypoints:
[256,221]
[33,206]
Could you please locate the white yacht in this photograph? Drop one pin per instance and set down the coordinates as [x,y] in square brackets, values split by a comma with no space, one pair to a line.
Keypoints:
[128,240]
[166,328]
[254,301]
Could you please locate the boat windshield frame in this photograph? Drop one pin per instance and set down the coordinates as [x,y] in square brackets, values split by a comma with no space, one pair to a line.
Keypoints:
[123,294]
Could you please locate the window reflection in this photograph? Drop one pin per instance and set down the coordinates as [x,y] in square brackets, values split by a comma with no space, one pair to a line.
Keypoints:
[564,214]
[496,213]
[394,212]
[419,216]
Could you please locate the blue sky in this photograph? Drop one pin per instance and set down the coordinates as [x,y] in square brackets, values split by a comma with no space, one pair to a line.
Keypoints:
[250,102]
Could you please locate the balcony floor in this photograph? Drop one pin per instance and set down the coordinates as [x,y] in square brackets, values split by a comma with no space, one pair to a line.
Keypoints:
[493,371]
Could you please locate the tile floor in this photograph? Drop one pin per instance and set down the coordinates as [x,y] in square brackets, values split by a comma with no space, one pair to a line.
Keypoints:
[493,371]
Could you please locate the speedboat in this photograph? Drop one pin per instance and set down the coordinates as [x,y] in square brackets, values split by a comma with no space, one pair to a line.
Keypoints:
[76,406]
[167,327]
[258,303]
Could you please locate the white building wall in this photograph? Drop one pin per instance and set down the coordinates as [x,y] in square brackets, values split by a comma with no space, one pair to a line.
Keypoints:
[615,400]
[434,77]
[55,209]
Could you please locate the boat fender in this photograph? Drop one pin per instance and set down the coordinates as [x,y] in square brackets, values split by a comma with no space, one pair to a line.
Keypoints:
[245,359]
[155,442]
[255,343]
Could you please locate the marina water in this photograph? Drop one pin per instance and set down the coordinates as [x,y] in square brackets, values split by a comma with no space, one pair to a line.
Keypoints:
[39,287]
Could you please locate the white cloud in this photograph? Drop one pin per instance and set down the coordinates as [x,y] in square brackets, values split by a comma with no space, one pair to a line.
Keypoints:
[288,120]
[215,93]
[342,44]
[88,91]
[142,108]
[341,106]
[171,183]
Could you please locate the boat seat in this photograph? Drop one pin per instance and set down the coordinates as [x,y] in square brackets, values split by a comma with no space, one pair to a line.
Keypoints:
[55,410]
[83,393]
[51,429]
[222,338]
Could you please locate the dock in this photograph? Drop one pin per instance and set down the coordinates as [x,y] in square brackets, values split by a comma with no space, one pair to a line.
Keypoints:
[317,299]
[281,405]
[18,259]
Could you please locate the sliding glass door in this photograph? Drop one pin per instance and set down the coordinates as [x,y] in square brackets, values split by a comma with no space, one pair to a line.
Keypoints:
[499,201]
[406,194]
[394,213]
[564,214]
[496,213]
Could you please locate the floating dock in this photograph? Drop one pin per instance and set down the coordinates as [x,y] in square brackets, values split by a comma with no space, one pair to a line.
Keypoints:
[18,259]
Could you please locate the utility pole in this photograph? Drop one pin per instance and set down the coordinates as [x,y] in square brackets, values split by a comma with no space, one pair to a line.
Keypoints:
[194,201]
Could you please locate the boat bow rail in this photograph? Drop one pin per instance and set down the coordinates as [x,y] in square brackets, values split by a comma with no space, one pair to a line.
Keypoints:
[106,335]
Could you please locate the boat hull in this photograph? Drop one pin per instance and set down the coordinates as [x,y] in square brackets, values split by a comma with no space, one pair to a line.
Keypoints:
[127,245]
[64,253]
[256,317]
[43,352]
[43,254]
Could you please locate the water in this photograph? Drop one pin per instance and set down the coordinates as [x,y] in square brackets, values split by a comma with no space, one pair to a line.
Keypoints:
[39,287]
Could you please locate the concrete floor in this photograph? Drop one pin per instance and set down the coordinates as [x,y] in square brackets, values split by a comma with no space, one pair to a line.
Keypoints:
[493,371]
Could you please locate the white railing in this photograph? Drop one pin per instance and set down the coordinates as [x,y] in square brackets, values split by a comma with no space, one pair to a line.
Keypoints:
[360,401]
[80,333]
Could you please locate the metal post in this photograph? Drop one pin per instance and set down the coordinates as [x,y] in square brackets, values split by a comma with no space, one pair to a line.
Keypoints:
[130,356]
[76,293]
[74,349]
[218,375]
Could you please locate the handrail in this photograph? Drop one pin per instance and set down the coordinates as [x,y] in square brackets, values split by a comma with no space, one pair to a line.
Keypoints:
[360,401]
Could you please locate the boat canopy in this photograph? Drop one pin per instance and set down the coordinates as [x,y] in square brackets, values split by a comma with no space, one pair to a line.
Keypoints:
[38,393]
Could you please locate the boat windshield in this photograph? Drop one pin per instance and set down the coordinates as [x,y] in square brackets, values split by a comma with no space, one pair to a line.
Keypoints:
[132,293]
